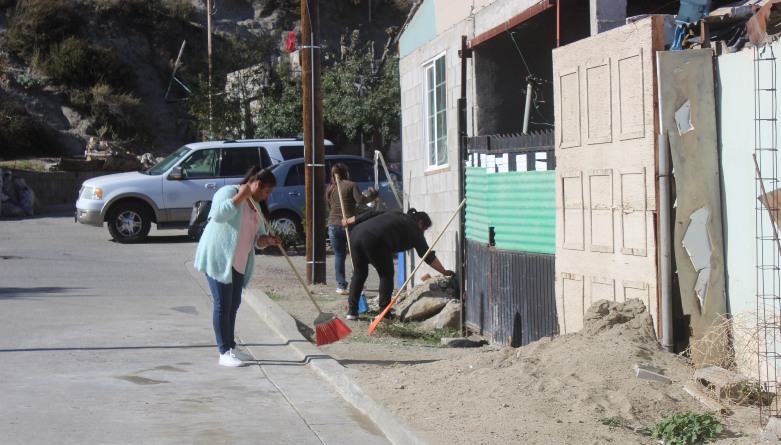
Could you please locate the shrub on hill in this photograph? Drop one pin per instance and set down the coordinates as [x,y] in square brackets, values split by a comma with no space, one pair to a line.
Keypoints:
[21,135]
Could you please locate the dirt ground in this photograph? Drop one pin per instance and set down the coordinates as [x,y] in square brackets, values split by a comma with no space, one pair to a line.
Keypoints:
[571,389]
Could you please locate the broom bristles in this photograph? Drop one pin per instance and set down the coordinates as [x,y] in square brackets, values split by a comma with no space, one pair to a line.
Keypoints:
[331,331]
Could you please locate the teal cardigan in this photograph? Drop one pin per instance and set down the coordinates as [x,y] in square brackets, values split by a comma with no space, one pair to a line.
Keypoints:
[215,252]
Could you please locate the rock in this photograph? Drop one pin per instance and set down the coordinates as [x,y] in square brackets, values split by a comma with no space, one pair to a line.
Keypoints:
[423,308]
[448,317]
[725,384]
[463,342]
[630,316]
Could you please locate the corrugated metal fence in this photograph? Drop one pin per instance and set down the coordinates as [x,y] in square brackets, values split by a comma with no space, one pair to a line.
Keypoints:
[510,231]
[510,295]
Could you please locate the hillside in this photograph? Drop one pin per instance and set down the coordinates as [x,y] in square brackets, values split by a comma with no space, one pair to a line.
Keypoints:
[72,69]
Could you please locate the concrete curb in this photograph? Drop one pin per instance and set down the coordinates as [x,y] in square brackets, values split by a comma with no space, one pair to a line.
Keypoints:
[329,369]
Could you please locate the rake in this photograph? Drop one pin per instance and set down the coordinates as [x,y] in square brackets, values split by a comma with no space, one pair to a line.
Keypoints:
[379,318]
[328,327]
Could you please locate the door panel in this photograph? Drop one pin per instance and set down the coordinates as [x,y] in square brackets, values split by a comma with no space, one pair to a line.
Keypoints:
[200,182]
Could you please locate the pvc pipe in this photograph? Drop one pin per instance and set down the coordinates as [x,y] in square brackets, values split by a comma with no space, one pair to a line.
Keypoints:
[664,242]
[528,107]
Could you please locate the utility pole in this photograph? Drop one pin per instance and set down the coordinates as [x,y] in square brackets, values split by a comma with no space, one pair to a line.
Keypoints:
[314,157]
[209,56]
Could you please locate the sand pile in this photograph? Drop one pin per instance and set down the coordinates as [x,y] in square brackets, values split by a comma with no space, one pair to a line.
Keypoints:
[556,390]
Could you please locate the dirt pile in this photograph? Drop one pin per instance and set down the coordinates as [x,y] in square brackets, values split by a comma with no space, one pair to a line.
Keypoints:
[579,388]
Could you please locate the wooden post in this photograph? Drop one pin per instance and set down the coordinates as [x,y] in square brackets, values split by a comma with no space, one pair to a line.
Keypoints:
[314,158]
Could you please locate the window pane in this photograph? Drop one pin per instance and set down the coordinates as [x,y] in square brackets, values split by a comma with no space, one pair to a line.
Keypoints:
[237,161]
[360,171]
[291,151]
[440,69]
[201,164]
[295,176]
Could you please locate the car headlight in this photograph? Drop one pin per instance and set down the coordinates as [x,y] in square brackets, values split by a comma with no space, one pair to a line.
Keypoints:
[92,193]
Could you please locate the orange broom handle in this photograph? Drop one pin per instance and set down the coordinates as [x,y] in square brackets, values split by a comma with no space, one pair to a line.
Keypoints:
[282,249]
[379,318]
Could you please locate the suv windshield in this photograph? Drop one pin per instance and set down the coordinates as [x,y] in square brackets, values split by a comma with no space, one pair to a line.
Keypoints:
[163,166]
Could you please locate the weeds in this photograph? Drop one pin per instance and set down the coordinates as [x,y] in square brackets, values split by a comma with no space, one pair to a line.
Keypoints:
[615,422]
[413,331]
[275,296]
[29,81]
[688,429]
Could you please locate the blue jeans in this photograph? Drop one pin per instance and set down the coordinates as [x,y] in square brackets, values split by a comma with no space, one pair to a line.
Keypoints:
[227,298]
[338,238]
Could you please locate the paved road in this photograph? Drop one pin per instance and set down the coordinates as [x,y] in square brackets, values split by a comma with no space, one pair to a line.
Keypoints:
[108,343]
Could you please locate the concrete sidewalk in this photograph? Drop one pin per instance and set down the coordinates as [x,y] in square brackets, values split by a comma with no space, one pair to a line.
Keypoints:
[329,369]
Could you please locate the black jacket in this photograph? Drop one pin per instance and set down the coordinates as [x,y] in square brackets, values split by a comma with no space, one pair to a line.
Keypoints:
[392,230]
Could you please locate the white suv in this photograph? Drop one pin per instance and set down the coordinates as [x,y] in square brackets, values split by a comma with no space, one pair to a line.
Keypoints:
[165,193]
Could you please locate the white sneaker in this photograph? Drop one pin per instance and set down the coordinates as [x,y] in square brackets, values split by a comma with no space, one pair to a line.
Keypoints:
[351,317]
[241,355]
[341,291]
[228,359]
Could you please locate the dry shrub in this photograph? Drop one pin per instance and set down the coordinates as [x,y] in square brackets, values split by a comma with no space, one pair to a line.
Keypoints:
[121,112]
[76,63]
[733,344]
[37,24]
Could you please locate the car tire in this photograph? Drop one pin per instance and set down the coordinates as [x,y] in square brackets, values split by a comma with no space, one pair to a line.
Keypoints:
[129,222]
[284,221]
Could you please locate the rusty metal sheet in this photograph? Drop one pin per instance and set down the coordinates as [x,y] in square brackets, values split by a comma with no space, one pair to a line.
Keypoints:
[766,22]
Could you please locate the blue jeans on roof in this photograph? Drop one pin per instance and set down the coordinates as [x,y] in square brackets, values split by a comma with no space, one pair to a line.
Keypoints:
[338,238]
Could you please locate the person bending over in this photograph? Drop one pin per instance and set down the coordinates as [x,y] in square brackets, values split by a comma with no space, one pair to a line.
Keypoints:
[376,238]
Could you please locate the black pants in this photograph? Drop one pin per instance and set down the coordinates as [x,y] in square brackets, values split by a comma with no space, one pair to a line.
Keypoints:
[365,251]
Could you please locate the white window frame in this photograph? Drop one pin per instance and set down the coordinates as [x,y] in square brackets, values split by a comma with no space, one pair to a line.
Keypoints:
[432,131]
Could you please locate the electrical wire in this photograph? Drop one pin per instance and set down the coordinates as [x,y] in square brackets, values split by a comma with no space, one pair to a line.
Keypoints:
[512,36]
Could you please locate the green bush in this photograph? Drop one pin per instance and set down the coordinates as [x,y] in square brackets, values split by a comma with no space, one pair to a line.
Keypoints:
[76,63]
[688,429]
[21,135]
[180,9]
[37,24]
[117,113]
[29,81]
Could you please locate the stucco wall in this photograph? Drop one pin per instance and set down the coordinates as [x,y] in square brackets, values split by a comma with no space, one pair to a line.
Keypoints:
[432,190]
[605,169]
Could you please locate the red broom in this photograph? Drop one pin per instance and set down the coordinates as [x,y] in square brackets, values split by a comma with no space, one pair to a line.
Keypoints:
[328,327]
[379,318]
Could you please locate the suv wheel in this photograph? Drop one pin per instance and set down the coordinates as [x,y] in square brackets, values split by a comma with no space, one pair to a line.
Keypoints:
[286,224]
[129,222]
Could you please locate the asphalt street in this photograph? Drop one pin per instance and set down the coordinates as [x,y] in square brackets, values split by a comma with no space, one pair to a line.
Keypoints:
[113,344]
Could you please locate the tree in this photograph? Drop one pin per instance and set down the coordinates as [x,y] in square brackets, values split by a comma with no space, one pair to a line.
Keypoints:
[360,99]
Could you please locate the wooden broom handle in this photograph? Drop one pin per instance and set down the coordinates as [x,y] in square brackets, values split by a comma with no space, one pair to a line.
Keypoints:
[282,249]
[344,216]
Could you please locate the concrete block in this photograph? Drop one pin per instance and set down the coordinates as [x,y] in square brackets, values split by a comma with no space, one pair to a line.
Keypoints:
[643,373]
[773,427]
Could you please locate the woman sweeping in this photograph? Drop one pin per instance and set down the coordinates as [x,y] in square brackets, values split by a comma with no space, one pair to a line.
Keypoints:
[351,196]
[226,253]
[377,236]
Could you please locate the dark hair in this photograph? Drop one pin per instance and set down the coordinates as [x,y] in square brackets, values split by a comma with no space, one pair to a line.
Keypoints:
[266,177]
[420,216]
[338,169]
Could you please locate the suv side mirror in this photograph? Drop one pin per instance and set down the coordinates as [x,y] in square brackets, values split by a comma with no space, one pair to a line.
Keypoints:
[177,173]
